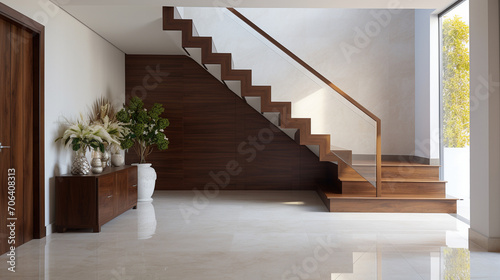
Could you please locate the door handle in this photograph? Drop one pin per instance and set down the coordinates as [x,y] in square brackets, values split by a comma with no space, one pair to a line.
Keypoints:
[3,147]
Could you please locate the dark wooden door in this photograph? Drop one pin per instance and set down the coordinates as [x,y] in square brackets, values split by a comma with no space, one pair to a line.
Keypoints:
[16,131]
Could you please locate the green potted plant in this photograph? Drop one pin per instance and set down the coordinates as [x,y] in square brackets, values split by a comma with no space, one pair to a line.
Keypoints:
[146,131]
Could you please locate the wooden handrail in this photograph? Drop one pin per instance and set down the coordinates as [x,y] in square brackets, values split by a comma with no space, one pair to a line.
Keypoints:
[331,85]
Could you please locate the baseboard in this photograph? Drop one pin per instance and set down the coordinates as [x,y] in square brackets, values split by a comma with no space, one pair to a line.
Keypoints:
[48,230]
[434,161]
[488,243]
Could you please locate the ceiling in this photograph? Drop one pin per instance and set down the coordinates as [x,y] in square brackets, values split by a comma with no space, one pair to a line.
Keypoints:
[351,4]
[135,26]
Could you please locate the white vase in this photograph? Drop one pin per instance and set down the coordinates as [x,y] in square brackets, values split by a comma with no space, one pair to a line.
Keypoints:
[146,179]
[96,164]
[117,160]
[105,158]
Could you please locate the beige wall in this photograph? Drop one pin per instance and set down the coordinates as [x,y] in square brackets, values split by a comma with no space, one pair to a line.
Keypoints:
[79,67]
[427,105]
[485,124]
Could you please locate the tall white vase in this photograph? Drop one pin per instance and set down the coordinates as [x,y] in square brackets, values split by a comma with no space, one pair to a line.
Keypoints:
[146,179]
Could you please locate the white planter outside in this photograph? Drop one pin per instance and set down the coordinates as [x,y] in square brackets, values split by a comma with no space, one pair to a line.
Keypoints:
[457,171]
[146,179]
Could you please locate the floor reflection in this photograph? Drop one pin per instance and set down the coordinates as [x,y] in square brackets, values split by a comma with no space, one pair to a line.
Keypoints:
[253,235]
[455,263]
[146,220]
[449,263]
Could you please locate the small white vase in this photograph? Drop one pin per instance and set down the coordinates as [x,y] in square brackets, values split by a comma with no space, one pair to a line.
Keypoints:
[96,163]
[117,160]
[96,166]
[105,158]
[146,179]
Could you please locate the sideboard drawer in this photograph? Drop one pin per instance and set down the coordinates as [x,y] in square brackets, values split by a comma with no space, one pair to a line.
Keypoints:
[132,176]
[107,185]
[106,208]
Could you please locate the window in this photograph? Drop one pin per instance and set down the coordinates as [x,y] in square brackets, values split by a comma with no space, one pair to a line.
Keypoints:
[455,102]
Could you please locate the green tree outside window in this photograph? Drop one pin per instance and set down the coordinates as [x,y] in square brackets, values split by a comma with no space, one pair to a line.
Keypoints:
[456,83]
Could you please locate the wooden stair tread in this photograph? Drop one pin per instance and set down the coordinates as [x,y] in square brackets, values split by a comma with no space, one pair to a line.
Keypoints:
[393,164]
[395,180]
[331,195]
[335,148]
[412,197]
[410,180]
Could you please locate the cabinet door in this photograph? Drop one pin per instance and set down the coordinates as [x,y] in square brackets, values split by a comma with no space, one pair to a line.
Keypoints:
[106,197]
[76,202]
[132,186]
[121,191]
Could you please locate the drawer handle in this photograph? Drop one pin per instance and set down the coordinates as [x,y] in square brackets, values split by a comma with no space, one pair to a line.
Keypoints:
[110,196]
[135,186]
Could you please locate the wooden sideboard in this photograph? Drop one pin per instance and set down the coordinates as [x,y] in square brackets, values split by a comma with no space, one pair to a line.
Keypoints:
[90,201]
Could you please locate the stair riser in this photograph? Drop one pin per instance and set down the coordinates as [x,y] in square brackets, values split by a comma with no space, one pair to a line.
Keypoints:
[406,172]
[420,189]
[413,172]
[359,189]
[391,206]
[437,189]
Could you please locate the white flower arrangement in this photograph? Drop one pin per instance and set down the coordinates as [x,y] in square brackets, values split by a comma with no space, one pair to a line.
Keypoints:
[98,131]
[116,130]
[82,135]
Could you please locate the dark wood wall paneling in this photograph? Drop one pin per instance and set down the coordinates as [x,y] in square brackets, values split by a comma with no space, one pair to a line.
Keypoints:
[208,123]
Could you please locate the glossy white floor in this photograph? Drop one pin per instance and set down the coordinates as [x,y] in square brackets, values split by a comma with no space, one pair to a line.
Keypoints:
[255,235]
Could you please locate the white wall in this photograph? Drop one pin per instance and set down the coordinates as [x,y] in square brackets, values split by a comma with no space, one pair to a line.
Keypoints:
[367,53]
[427,85]
[79,67]
[485,123]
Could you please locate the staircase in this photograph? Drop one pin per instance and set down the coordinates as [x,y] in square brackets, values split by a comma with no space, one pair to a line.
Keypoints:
[242,81]
[418,189]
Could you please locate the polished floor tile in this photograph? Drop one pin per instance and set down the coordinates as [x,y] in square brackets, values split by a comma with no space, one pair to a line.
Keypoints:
[257,235]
